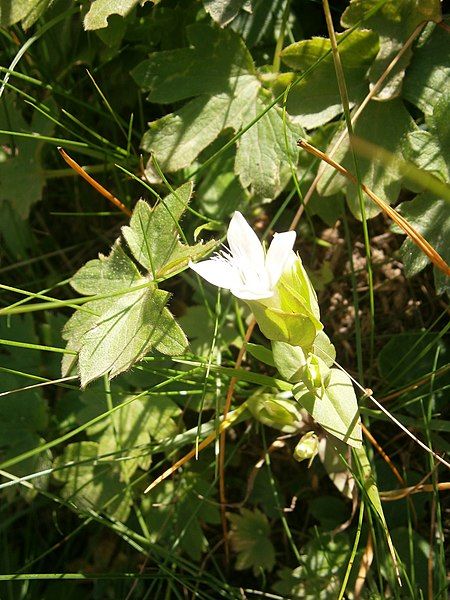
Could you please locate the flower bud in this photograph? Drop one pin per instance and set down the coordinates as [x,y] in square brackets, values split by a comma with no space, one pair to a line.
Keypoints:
[316,374]
[275,411]
[307,447]
[297,367]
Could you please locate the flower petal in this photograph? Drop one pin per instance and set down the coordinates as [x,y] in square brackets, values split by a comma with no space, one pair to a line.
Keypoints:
[278,254]
[245,293]
[218,272]
[245,245]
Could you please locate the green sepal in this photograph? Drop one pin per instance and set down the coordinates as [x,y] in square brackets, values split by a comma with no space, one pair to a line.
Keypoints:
[297,294]
[275,411]
[283,326]
[292,315]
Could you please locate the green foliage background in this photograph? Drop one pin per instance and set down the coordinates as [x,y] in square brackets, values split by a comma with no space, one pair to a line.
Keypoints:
[194,108]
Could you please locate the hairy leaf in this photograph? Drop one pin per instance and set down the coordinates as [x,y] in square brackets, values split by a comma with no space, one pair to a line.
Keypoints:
[106,274]
[122,330]
[112,333]
[226,94]
[153,235]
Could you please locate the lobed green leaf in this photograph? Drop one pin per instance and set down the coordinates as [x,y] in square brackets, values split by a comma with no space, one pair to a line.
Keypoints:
[315,99]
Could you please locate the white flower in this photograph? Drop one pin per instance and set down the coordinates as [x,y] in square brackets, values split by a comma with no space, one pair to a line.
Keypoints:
[245,269]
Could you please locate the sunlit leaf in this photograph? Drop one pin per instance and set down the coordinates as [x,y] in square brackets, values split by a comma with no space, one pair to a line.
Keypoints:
[100,11]
[315,100]
[383,124]
[220,192]
[275,411]
[429,214]
[264,154]
[131,429]
[27,11]
[112,333]
[334,454]
[122,330]
[319,576]
[226,94]
[428,76]
[224,11]
[394,21]
[336,408]
[431,217]
[292,360]
[106,274]
[153,235]
[370,489]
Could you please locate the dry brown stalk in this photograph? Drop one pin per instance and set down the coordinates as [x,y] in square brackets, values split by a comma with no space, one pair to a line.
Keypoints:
[412,233]
[95,184]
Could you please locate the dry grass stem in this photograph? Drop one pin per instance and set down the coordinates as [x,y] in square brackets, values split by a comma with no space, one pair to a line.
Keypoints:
[377,86]
[412,233]
[103,191]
